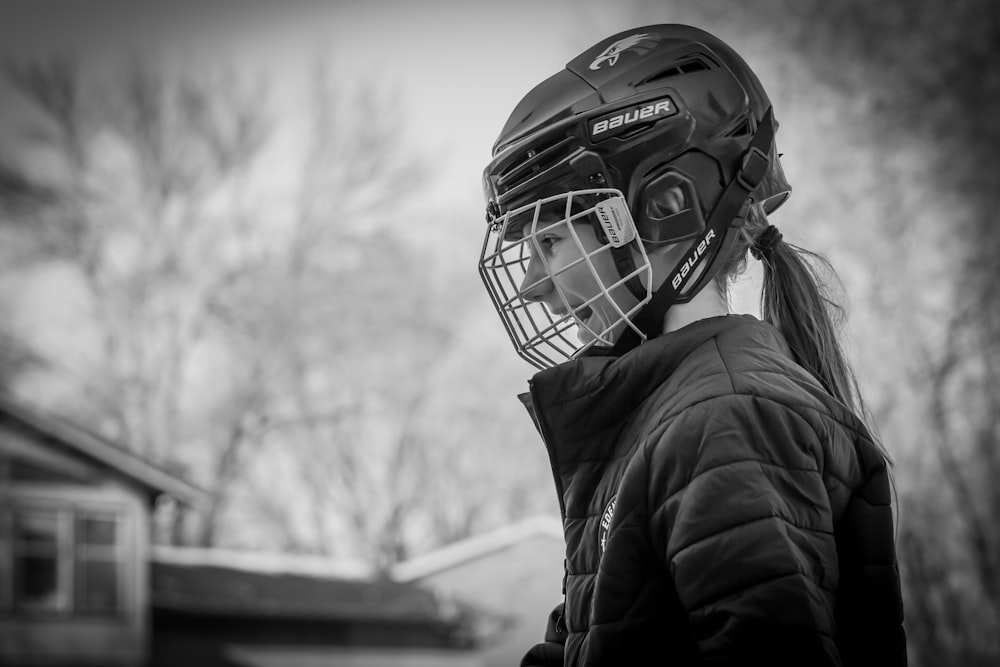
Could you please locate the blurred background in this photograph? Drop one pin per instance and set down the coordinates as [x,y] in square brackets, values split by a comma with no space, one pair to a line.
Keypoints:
[242,246]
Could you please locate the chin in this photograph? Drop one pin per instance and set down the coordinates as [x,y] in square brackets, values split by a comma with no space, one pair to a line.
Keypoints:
[585,337]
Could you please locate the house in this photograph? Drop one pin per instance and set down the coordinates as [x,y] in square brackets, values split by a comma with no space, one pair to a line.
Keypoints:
[80,583]
[74,540]
[515,573]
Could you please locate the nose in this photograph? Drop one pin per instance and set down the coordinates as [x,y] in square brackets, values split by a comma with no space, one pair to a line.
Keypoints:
[536,283]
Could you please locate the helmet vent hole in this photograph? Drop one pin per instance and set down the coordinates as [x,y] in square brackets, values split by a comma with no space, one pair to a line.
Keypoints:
[538,158]
[744,129]
[687,67]
[638,129]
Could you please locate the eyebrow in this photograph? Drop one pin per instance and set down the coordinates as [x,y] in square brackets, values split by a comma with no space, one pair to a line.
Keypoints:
[546,220]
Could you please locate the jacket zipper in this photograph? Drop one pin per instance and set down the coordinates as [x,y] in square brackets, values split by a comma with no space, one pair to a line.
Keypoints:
[536,415]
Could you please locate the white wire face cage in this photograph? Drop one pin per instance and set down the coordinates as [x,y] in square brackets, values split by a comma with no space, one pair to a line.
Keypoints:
[546,335]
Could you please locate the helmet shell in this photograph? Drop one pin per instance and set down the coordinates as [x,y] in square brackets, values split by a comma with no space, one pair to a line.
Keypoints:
[667,95]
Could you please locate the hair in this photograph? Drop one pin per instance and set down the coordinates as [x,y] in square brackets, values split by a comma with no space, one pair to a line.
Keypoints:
[799,297]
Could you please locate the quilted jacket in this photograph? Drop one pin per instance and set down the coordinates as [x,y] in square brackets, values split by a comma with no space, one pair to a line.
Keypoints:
[720,508]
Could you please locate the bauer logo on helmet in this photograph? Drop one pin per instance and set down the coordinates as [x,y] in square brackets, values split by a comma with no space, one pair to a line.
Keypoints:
[641,112]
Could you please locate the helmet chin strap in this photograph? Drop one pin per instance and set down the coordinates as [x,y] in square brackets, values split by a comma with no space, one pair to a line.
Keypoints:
[625,264]
[727,216]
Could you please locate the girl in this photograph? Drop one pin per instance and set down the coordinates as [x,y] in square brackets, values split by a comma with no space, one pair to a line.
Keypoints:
[722,501]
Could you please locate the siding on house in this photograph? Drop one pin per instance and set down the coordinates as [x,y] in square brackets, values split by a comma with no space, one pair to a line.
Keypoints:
[74,540]
[52,622]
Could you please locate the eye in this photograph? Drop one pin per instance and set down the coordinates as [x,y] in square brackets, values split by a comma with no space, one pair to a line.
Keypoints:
[546,242]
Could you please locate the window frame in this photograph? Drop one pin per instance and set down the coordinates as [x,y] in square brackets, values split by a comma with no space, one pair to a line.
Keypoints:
[67,514]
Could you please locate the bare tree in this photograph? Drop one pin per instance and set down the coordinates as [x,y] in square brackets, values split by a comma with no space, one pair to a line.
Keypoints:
[282,348]
[155,158]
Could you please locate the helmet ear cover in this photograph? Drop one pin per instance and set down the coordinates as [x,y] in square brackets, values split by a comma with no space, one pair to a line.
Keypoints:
[673,204]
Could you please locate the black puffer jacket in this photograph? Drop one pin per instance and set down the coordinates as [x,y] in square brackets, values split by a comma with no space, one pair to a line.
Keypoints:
[720,508]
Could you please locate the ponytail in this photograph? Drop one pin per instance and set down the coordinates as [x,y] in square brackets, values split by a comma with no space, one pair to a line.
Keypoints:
[798,302]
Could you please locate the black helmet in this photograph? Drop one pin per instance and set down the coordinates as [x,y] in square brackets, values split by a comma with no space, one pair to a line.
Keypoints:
[657,109]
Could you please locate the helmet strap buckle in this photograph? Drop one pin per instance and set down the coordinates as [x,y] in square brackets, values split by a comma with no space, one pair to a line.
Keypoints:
[753,169]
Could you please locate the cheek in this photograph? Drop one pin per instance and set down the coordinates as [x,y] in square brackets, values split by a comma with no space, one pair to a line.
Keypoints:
[578,278]
[582,280]
[606,269]
[612,281]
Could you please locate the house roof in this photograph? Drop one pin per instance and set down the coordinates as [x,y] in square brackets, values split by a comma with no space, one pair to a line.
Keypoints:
[206,586]
[479,546]
[62,433]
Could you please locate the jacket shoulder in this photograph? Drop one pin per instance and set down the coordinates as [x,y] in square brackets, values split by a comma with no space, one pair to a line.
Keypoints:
[731,406]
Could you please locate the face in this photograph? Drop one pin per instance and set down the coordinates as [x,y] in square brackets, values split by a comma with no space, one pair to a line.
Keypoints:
[549,268]
[572,273]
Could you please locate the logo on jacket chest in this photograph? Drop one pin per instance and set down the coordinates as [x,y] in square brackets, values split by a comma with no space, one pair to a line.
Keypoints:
[605,527]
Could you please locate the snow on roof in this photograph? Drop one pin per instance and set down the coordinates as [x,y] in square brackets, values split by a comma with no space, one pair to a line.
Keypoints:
[477,546]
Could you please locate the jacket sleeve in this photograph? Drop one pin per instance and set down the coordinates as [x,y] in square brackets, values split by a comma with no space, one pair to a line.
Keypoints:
[743,520]
[549,653]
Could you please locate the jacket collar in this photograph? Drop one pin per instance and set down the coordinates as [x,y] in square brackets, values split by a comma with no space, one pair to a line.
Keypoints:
[581,398]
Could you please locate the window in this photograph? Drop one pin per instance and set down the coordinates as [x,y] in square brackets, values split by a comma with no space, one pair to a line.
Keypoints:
[61,560]
[97,567]
[36,562]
